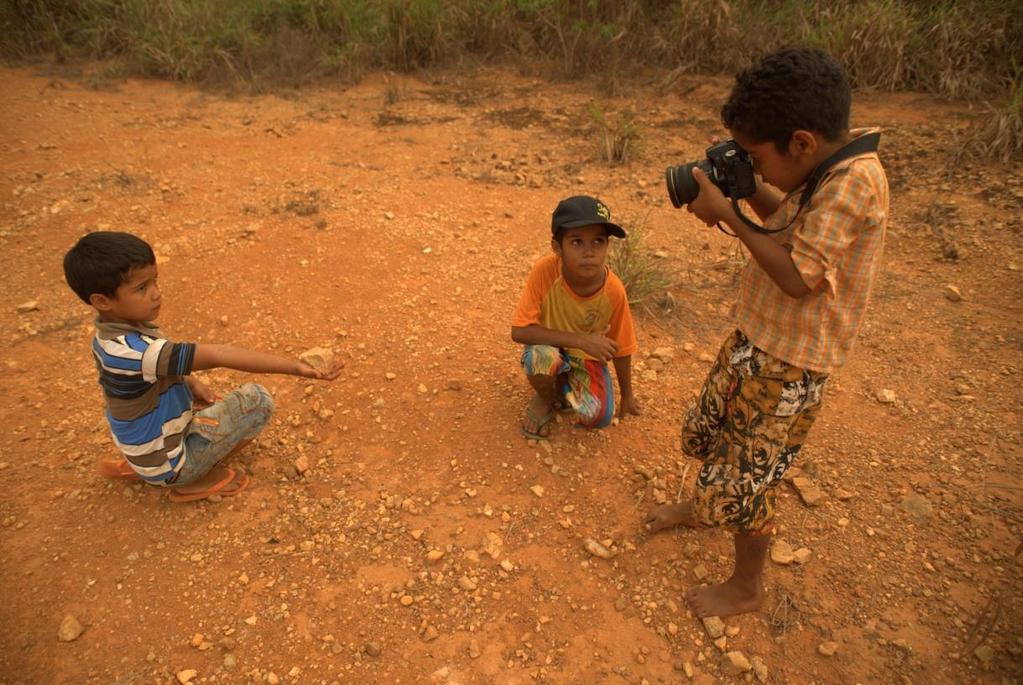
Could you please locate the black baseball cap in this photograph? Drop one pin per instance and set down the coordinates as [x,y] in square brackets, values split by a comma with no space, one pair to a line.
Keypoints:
[583,210]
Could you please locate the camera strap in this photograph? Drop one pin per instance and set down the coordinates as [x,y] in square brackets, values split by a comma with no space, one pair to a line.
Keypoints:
[861,146]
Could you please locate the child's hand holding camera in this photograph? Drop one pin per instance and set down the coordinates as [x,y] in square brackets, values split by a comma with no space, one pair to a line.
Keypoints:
[710,206]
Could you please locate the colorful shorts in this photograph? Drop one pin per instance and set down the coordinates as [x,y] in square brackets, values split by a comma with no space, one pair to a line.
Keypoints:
[585,384]
[747,426]
[217,429]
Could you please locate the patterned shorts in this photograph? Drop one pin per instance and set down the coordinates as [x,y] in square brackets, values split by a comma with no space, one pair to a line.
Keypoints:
[584,383]
[217,429]
[747,426]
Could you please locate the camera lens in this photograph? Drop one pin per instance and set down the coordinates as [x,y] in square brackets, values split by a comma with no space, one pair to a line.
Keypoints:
[682,187]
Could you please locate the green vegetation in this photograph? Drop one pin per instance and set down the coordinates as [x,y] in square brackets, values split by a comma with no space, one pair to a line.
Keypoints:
[946,47]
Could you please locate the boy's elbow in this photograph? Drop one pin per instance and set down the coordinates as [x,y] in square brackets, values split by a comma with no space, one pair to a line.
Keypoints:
[516,335]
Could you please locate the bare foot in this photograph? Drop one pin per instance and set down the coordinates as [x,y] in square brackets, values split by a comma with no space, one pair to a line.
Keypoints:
[538,416]
[670,516]
[725,599]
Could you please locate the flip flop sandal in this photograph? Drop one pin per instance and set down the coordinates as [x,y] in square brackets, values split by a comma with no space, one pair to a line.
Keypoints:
[117,469]
[540,423]
[242,481]
[177,497]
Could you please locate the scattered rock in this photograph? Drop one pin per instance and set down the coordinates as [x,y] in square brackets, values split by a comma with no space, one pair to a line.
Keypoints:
[474,649]
[734,663]
[70,629]
[886,396]
[492,545]
[467,583]
[184,677]
[302,465]
[781,553]
[827,648]
[597,549]
[665,354]
[808,490]
[917,505]
[26,307]
[759,668]
[714,626]
[953,294]
[802,555]
[320,358]
[373,649]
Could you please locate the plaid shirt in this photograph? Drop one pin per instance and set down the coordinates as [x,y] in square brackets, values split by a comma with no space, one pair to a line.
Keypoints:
[836,244]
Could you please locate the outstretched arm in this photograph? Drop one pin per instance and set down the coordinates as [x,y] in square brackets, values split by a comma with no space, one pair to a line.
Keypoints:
[240,359]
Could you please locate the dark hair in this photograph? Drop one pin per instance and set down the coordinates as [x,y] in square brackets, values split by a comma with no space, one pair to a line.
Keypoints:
[101,261]
[793,89]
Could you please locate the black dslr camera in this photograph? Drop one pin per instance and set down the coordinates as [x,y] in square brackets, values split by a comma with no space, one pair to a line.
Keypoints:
[728,167]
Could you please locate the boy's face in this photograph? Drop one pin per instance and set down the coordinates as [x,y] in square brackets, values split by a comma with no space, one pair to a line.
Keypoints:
[583,251]
[785,171]
[137,298]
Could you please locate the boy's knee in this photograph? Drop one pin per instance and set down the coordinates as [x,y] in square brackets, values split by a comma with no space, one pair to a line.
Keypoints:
[542,360]
[256,398]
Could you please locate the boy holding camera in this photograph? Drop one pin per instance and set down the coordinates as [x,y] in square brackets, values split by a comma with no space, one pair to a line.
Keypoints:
[800,301]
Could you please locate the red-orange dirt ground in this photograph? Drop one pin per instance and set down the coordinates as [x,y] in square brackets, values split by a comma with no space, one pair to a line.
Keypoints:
[395,221]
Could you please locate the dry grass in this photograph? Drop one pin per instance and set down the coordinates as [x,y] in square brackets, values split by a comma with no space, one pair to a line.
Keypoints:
[958,49]
[1000,136]
[646,276]
[619,136]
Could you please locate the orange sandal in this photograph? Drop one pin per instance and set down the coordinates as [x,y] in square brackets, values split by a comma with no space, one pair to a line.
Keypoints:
[117,469]
[240,482]
[214,489]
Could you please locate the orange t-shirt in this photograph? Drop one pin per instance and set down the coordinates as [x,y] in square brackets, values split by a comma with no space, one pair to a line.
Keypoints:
[548,301]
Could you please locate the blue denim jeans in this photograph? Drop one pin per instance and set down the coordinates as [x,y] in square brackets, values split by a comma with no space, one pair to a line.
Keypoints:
[217,429]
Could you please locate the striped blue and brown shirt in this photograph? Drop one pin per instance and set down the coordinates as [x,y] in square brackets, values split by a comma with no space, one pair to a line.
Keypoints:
[149,406]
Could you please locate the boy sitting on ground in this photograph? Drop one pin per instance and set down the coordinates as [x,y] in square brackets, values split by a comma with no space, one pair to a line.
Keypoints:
[146,379]
[573,317]
[800,301]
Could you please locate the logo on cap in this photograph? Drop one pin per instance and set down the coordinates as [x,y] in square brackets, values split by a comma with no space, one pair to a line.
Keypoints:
[603,211]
